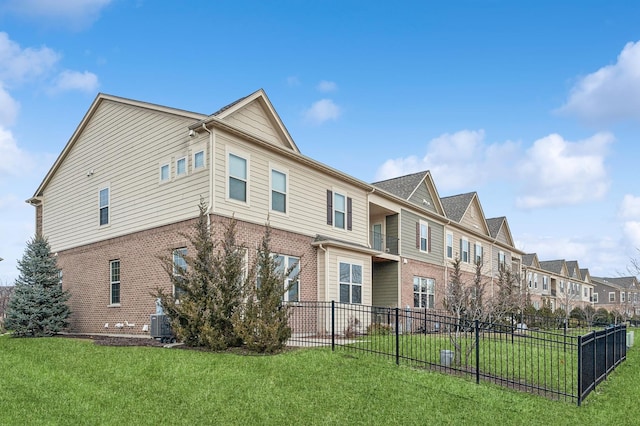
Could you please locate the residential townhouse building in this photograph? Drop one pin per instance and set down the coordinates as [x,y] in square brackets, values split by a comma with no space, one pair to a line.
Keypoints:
[537,282]
[620,294]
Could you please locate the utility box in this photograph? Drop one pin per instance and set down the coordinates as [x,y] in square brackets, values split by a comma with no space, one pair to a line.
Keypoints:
[446,357]
[161,328]
[629,339]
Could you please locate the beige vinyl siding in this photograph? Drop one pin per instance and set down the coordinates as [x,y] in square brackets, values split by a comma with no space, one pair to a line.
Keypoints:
[337,255]
[474,219]
[503,237]
[123,145]
[306,196]
[385,284]
[420,194]
[495,251]
[408,222]
[252,119]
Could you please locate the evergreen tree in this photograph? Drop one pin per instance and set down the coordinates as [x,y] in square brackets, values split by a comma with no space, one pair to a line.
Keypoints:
[263,321]
[38,307]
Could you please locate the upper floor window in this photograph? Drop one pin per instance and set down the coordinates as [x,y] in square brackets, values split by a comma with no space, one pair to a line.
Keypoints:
[502,260]
[424,292]
[165,173]
[561,286]
[585,292]
[545,282]
[478,254]
[339,210]
[114,282]
[449,245]
[278,191]
[181,166]
[612,296]
[464,250]
[289,267]
[529,275]
[535,280]
[423,236]
[595,297]
[198,160]
[104,206]
[238,178]
[350,282]
[622,297]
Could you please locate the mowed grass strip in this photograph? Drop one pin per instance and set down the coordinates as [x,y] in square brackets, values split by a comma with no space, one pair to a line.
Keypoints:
[72,381]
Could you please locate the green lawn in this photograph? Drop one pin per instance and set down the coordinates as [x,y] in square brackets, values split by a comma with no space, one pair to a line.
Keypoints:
[71,381]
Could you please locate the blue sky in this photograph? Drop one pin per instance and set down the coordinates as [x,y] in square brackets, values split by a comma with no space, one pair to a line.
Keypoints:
[534,105]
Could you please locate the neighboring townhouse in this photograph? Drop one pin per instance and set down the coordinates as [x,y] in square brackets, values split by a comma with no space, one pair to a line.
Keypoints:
[503,251]
[537,282]
[583,286]
[568,290]
[620,294]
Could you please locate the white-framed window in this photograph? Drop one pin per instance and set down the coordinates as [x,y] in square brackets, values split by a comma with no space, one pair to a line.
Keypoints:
[536,305]
[478,254]
[424,236]
[238,178]
[561,286]
[114,282]
[165,172]
[465,256]
[545,282]
[502,260]
[339,210]
[612,296]
[104,206]
[279,187]
[529,279]
[622,297]
[181,166]
[424,292]
[449,245]
[179,269]
[290,264]
[595,297]
[585,292]
[350,282]
[535,280]
[198,160]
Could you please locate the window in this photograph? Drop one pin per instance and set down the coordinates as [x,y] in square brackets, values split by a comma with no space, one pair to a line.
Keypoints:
[595,297]
[545,282]
[237,178]
[612,296]
[423,237]
[278,191]
[291,265]
[502,260]
[181,166]
[586,293]
[478,254]
[464,250]
[529,275]
[179,269]
[104,206]
[536,305]
[198,160]
[350,283]
[424,292]
[449,245]
[114,282]
[337,211]
[535,280]
[561,286]
[165,173]
[622,297]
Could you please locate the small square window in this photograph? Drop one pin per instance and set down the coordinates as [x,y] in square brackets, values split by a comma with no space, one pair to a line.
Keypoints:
[164,173]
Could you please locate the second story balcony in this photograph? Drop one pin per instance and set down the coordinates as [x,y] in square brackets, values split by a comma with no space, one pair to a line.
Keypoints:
[384,243]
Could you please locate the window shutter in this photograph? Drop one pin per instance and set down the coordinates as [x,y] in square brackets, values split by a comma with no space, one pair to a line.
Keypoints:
[418,235]
[460,249]
[349,214]
[429,240]
[329,207]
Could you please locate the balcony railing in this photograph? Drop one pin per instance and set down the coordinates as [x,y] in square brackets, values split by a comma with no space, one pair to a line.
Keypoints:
[384,243]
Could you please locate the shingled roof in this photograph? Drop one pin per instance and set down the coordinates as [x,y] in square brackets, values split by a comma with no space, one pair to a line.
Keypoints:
[625,282]
[554,266]
[572,266]
[494,224]
[527,259]
[402,186]
[456,205]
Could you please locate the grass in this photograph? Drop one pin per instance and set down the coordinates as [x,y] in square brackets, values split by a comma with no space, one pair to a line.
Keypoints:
[72,381]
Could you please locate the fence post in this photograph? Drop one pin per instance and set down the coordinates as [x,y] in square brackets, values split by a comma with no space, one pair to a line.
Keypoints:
[580,370]
[477,326]
[333,325]
[513,326]
[397,338]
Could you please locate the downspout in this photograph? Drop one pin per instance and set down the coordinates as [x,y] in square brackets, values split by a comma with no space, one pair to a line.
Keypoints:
[326,274]
[211,179]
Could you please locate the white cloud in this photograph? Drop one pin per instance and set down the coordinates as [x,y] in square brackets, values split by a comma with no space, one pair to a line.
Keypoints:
[557,172]
[8,108]
[630,207]
[74,80]
[17,64]
[612,93]
[631,230]
[14,161]
[73,14]
[327,86]
[456,161]
[322,111]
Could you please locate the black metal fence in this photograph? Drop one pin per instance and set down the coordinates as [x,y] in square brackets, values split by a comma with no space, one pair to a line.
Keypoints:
[549,363]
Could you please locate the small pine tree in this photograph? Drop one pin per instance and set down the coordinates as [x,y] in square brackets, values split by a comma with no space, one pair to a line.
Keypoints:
[38,307]
[263,321]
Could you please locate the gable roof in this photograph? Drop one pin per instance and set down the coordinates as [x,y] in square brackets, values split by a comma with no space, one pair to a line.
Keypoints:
[402,186]
[624,282]
[261,97]
[99,99]
[530,259]
[586,276]
[605,281]
[455,206]
[573,268]
[554,266]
